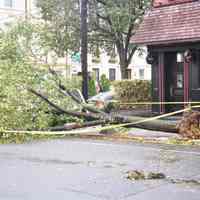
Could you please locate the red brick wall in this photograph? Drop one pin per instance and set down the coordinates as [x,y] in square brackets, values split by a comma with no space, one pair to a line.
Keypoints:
[158,3]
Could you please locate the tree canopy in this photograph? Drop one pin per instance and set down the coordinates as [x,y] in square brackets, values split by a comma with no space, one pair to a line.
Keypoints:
[20,45]
[111,24]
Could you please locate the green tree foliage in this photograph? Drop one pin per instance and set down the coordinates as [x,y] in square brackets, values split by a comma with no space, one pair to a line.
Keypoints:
[115,24]
[62,20]
[105,83]
[133,90]
[112,23]
[20,45]
[18,109]
[92,89]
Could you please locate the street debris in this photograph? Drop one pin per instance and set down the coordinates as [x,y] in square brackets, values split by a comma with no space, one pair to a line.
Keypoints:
[136,175]
[140,175]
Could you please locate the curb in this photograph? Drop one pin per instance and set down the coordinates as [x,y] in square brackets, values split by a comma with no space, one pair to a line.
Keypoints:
[124,137]
[139,139]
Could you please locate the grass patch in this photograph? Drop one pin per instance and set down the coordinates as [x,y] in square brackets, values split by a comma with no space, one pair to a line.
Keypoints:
[19,138]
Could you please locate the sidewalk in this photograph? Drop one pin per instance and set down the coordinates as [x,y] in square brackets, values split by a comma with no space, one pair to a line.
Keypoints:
[134,134]
[148,134]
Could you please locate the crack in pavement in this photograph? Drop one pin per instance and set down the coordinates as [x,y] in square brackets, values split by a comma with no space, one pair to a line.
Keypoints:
[105,197]
[64,162]
[145,190]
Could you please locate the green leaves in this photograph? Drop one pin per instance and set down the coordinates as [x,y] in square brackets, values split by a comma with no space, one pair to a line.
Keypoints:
[62,22]
[130,91]
[105,83]
[111,24]
[19,109]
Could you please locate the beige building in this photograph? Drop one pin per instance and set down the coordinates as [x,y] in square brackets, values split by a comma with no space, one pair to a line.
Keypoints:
[12,9]
[138,69]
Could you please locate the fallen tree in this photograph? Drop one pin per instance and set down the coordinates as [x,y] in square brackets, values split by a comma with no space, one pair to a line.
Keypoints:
[71,126]
[94,116]
[104,118]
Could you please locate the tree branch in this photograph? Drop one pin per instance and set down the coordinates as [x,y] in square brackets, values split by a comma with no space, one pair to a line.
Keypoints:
[71,126]
[103,30]
[101,2]
[131,55]
[72,113]
[128,37]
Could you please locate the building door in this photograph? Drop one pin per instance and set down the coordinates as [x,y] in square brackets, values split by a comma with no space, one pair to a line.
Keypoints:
[174,75]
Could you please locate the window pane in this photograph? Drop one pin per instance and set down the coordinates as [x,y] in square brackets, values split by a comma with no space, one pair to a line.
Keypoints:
[141,74]
[96,73]
[112,74]
[129,74]
[8,3]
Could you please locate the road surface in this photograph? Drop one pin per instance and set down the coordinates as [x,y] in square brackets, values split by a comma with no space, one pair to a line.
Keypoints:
[74,169]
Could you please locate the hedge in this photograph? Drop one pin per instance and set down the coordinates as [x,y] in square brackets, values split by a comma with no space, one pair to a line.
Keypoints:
[133,90]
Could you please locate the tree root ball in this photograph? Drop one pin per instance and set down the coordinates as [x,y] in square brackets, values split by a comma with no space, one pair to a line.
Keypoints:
[189,126]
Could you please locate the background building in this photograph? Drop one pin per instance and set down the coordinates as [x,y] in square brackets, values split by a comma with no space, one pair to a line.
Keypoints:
[138,69]
[12,9]
[171,31]
[68,66]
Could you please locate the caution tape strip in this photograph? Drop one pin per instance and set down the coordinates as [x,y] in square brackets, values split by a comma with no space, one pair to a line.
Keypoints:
[99,129]
[147,120]
[155,103]
[151,118]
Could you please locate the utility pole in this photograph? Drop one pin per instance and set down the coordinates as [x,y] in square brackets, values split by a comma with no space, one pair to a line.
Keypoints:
[84,47]
[26,9]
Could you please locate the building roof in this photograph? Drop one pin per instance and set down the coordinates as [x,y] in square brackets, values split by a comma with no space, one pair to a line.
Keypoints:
[170,24]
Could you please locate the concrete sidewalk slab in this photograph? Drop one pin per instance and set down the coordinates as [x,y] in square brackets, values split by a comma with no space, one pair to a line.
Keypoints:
[151,134]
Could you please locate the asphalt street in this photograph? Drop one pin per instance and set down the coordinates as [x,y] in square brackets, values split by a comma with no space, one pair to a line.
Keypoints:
[74,169]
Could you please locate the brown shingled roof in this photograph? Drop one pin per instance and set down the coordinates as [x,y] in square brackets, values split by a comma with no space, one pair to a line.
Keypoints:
[170,24]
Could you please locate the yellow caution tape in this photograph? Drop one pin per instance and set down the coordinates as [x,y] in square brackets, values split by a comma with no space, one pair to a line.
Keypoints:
[103,128]
[154,103]
[151,118]
[146,120]
[36,132]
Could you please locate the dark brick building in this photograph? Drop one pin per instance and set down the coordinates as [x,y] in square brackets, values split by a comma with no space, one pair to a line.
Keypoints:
[171,31]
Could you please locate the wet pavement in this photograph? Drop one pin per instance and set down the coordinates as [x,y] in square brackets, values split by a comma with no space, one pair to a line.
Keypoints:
[137,132]
[96,170]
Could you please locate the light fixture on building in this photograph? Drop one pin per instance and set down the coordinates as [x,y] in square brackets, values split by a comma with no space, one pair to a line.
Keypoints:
[179,57]
[188,55]
[150,59]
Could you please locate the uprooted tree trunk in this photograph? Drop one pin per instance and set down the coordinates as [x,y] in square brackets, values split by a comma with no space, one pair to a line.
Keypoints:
[71,126]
